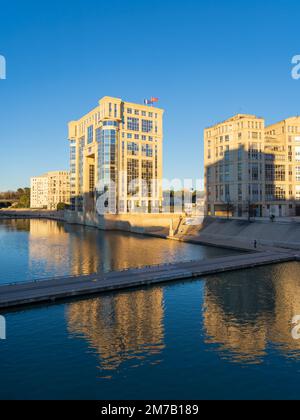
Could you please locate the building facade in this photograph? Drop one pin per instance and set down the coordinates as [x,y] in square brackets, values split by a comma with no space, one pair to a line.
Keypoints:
[48,190]
[39,192]
[116,153]
[252,170]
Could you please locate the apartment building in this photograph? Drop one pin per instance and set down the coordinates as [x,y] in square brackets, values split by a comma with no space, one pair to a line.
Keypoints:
[58,188]
[39,192]
[116,150]
[252,170]
[50,189]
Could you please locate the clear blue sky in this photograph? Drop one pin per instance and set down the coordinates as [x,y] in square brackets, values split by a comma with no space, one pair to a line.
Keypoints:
[204,60]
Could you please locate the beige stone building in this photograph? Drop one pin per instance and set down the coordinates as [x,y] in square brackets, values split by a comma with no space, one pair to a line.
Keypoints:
[251,169]
[39,192]
[58,189]
[50,189]
[117,142]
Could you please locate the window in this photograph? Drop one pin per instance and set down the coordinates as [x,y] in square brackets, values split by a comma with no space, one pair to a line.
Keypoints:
[253,152]
[240,192]
[132,175]
[110,123]
[133,124]
[132,149]
[90,138]
[227,155]
[208,174]
[147,176]
[240,171]
[227,173]
[147,126]
[279,173]
[73,153]
[279,192]
[227,192]
[240,152]
[255,192]
[255,172]
[147,150]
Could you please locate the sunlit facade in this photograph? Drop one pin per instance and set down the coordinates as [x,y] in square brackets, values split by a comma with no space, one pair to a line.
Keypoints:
[39,192]
[117,142]
[48,190]
[252,169]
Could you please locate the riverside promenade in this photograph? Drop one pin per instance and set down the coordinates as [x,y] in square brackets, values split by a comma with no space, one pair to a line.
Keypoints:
[61,288]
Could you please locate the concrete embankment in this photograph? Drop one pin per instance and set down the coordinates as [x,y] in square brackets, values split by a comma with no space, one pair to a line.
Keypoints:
[243,234]
[18,295]
[151,224]
[237,234]
[32,214]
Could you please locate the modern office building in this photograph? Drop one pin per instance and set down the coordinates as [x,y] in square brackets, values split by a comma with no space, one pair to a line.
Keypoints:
[48,190]
[116,152]
[251,169]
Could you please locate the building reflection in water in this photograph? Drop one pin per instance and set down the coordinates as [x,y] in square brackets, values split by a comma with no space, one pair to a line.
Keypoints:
[48,246]
[247,313]
[93,250]
[120,327]
[75,250]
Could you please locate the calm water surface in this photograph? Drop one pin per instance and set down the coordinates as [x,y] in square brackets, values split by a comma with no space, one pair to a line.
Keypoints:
[36,249]
[227,336]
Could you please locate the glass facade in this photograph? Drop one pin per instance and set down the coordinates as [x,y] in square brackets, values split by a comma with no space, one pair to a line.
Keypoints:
[107,153]
[99,159]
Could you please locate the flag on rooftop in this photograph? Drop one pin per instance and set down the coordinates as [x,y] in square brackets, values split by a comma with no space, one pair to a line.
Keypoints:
[150,101]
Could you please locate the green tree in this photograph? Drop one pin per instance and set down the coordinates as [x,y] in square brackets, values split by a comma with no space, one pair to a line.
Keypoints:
[24,198]
[61,206]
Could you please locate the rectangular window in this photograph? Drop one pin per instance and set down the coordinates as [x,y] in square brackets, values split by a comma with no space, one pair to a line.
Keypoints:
[90,136]
[147,150]
[147,126]
[133,124]
[132,149]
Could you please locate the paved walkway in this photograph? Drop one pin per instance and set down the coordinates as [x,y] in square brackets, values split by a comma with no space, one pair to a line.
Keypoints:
[17,295]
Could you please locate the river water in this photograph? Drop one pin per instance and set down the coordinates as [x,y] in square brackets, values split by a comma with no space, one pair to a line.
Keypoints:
[225,336]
